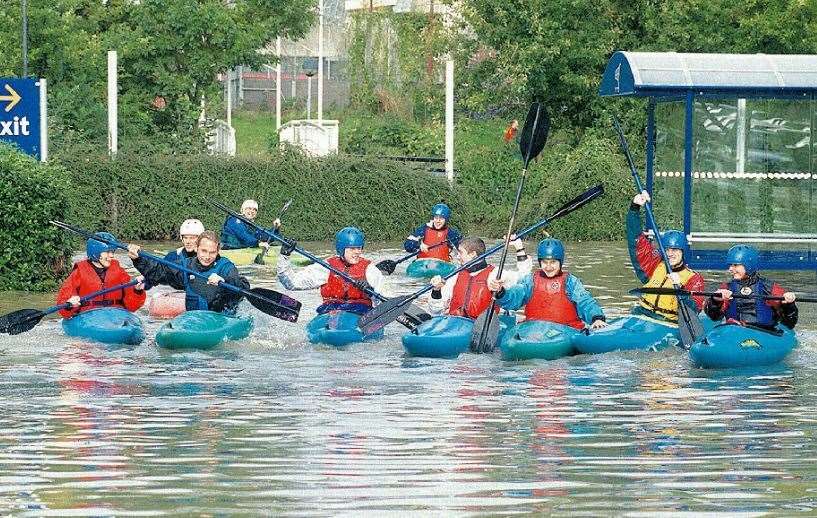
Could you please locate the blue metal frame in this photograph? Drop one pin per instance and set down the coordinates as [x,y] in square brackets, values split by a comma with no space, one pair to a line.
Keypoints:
[618,81]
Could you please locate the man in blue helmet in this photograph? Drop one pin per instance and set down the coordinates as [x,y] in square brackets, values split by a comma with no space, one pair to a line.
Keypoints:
[650,269]
[551,294]
[98,272]
[237,234]
[744,262]
[337,292]
[199,294]
[435,239]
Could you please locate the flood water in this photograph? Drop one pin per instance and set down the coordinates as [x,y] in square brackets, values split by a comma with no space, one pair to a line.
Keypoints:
[274,425]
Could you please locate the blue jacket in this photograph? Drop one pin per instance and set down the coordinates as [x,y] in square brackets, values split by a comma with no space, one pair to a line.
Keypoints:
[586,306]
[237,234]
[179,255]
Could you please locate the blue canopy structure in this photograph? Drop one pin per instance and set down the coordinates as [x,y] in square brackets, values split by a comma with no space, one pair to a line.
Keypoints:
[735,149]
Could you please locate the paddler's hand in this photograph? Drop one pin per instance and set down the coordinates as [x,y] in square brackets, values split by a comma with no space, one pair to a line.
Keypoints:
[675,278]
[496,284]
[517,243]
[215,279]
[598,324]
[438,282]
[641,198]
[423,247]
[133,251]
[722,294]
[264,244]
[276,224]
[142,285]
[74,301]
[789,297]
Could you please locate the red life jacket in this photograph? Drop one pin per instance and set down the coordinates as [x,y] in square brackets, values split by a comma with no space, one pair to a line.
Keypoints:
[432,237]
[471,295]
[338,290]
[549,301]
[84,280]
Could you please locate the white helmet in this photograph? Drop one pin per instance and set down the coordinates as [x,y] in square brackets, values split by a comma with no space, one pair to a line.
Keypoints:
[249,204]
[191,227]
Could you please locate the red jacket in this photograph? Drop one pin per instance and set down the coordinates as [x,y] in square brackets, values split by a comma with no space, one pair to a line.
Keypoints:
[549,302]
[433,237]
[339,290]
[471,295]
[83,280]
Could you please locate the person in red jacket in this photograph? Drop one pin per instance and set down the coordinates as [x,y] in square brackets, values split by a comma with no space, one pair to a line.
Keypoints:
[98,272]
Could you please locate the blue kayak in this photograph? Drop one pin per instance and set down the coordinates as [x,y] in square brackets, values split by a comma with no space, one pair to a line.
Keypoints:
[429,268]
[629,332]
[202,330]
[107,325]
[447,336]
[538,339]
[338,328]
[734,345]
[443,336]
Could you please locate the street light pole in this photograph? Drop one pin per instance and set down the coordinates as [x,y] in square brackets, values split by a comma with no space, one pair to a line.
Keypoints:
[24,16]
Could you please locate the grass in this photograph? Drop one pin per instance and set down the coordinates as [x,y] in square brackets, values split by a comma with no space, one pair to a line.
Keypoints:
[252,130]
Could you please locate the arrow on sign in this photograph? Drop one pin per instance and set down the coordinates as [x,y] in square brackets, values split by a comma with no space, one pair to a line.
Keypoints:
[13,98]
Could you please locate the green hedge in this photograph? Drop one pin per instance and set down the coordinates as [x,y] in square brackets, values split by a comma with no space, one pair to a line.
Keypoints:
[147,197]
[33,254]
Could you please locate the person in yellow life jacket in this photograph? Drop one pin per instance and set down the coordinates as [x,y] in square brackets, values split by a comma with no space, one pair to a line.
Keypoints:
[467,294]
[550,293]
[436,239]
[337,292]
[650,269]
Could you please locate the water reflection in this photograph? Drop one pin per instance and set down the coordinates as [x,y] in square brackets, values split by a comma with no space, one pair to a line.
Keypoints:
[277,426]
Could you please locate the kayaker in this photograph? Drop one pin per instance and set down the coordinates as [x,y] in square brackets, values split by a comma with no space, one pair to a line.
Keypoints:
[337,293]
[467,294]
[650,269]
[189,232]
[433,233]
[744,261]
[237,234]
[199,294]
[550,293]
[99,271]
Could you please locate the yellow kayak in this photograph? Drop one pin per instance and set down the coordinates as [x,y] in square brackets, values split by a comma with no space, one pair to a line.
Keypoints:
[246,256]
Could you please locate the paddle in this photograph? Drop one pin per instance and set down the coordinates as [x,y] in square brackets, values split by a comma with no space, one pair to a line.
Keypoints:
[689,327]
[389,310]
[532,141]
[24,320]
[268,301]
[413,317]
[259,259]
[673,291]
[387,266]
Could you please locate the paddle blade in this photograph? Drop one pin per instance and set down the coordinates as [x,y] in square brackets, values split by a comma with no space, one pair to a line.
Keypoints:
[383,314]
[485,332]
[535,133]
[275,304]
[579,201]
[689,326]
[20,321]
[387,266]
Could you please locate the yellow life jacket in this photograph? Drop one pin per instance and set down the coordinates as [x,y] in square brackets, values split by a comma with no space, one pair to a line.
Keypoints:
[664,305]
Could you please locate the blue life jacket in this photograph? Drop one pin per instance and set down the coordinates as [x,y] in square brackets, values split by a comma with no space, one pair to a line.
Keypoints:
[199,294]
[178,256]
[751,311]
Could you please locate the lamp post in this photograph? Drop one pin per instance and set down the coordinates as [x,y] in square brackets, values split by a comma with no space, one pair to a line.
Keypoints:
[24,17]
[310,69]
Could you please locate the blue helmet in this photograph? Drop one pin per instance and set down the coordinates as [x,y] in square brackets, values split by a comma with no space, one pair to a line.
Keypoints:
[550,248]
[349,237]
[94,248]
[746,255]
[675,239]
[441,209]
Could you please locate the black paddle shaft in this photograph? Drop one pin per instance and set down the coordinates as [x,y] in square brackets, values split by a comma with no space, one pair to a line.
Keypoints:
[534,135]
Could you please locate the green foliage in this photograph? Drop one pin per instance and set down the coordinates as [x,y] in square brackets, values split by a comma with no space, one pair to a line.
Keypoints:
[34,253]
[147,196]
[390,135]
[170,55]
